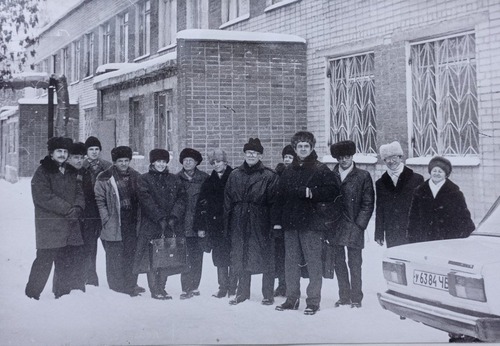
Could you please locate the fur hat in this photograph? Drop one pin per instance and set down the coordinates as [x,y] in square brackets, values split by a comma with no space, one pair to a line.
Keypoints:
[254,144]
[441,162]
[303,136]
[391,149]
[288,150]
[92,142]
[77,148]
[343,148]
[192,153]
[217,154]
[158,154]
[121,152]
[59,143]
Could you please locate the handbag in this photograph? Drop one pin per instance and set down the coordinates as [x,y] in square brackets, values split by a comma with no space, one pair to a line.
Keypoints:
[169,253]
[328,259]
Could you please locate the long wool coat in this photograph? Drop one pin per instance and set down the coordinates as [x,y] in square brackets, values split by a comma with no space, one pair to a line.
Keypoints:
[248,198]
[358,197]
[161,196]
[443,217]
[54,194]
[108,202]
[192,188]
[210,216]
[393,205]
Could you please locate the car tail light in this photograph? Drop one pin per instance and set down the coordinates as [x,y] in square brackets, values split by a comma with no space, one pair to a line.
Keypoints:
[465,286]
[395,272]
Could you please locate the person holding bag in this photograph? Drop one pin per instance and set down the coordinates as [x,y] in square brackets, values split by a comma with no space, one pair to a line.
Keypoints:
[162,200]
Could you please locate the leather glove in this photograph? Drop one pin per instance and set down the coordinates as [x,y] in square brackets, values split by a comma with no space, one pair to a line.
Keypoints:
[74,213]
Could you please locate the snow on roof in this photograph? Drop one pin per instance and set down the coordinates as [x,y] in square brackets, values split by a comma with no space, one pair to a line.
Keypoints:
[113,66]
[141,68]
[41,101]
[227,35]
[7,111]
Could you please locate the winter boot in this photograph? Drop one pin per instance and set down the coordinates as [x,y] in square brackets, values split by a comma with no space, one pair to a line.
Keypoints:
[289,304]
[311,309]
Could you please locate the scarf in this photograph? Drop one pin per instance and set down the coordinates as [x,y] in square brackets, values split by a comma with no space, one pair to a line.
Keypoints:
[95,168]
[435,187]
[395,173]
[124,184]
[344,173]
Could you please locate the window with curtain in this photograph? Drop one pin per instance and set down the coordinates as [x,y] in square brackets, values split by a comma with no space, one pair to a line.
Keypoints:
[76,61]
[167,21]
[143,38]
[105,43]
[88,54]
[123,37]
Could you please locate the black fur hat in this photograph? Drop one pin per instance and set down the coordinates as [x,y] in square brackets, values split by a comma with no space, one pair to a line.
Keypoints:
[121,152]
[59,143]
[441,162]
[254,144]
[77,148]
[192,153]
[93,142]
[343,148]
[303,136]
[158,154]
[288,150]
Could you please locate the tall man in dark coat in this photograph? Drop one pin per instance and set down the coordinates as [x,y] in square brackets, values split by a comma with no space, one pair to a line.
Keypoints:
[192,179]
[58,200]
[248,198]
[93,165]
[301,187]
[358,197]
[209,219]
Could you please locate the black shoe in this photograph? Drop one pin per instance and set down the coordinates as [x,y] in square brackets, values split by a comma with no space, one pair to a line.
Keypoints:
[289,304]
[195,292]
[186,295]
[311,309]
[342,302]
[280,291]
[267,301]
[356,305]
[220,294]
[139,289]
[31,295]
[237,300]
[158,296]
[165,294]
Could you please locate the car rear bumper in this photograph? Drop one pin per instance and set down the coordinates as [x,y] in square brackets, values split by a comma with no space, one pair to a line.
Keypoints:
[483,328]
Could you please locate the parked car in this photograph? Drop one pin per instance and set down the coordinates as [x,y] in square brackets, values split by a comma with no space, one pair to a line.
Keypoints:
[452,285]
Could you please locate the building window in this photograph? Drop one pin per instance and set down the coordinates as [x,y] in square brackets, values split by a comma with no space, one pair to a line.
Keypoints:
[232,9]
[167,19]
[75,68]
[105,43]
[89,54]
[444,107]
[352,101]
[197,14]
[136,126]
[12,137]
[163,119]
[143,28]
[65,62]
[123,36]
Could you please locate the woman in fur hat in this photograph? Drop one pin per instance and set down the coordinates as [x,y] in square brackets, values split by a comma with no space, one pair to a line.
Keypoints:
[162,199]
[394,193]
[438,209]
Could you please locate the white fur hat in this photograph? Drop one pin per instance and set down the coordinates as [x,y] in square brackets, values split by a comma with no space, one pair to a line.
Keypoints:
[390,149]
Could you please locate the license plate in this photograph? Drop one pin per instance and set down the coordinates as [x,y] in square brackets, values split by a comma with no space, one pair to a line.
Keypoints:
[431,280]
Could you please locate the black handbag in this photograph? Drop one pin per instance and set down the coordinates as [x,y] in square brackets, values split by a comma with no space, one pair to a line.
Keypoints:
[169,253]
[328,259]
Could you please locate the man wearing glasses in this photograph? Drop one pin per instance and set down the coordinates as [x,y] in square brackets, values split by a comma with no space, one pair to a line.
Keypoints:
[248,198]
[356,189]
[394,193]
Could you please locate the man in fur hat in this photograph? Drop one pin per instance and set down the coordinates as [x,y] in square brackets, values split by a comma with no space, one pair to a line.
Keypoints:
[58,200]
[192,179]
[248,198]
[394,193]
[92,226]
[117,201]
[358,197]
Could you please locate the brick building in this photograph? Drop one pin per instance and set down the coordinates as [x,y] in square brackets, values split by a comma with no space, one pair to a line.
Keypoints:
[425,73]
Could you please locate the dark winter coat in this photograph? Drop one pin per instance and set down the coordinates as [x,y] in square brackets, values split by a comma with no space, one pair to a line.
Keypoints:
[108,202]
[161,196]
[358,199]
[443,217]
[393,206]
[248,198]
[88,181]
[54,194]
[293,211]
[192,188]
[210,216]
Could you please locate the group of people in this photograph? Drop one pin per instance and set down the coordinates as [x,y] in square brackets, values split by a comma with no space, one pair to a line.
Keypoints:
[254,220]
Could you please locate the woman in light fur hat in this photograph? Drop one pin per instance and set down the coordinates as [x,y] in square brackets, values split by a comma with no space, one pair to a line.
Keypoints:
[438,208]
[394,192]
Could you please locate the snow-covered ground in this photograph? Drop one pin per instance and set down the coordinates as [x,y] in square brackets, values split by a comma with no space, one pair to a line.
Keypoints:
[103,317]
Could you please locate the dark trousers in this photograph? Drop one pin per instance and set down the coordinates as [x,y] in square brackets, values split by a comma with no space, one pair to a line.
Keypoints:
[91,231]
[245,280]
[227,279]
[40,271]
[69,274]
[120,258]
[279,260]
[349,290]
[303,246]
[190,279]
[157,279]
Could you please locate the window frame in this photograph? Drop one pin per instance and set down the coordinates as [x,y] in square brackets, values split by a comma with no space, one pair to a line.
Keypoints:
[167,23]
[231,15]
[89,42]
[123,36]
[105,46]
[76,60]
[143,29]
